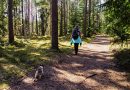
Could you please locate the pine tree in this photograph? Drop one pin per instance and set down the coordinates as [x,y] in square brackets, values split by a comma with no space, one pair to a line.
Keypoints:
[54,25]
[10,21]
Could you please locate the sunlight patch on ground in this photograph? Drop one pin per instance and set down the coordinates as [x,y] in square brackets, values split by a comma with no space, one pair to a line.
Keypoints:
[3,60]
[91,82]
[20,49]
[40,43]
[35,53]
[64,44]
[98,48]
[4,86]
[44,58]
[97,71]
[43,44]
[76,65]
[29,80]
[13,69]
[69,76]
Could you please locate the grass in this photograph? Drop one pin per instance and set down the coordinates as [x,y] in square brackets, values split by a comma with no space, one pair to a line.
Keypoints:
[17,59]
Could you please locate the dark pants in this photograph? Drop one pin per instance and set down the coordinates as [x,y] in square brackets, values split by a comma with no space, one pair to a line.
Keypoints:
[76,48]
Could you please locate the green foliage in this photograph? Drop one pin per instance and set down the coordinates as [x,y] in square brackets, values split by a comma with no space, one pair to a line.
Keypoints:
[76,15]
[122,58]
[3,18]
[117,18]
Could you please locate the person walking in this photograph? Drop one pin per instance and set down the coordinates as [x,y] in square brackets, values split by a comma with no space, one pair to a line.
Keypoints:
[76,39]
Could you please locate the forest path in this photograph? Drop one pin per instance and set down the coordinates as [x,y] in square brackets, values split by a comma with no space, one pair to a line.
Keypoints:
[91,69]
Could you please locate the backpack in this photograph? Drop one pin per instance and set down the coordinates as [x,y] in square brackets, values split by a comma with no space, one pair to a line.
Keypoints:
[75,34]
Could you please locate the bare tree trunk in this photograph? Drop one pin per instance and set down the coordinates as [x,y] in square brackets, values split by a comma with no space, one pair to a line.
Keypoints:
[85,19]
[89,22]
[50,17]
[36,23]
[65,23]
[54,25]
[99,19]
[29,17]
[68,21]
[2,8]
[22,20]
[26,19]
[19,12]
[61,20]
[10,21]
[42,24]
[32,24]
[14,20]
[93,16]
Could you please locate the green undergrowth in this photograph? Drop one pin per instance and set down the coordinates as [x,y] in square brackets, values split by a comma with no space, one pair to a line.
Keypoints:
[122,59]
[17,59]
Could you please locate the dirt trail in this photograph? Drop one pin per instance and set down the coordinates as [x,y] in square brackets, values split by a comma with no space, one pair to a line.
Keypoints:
[91,69]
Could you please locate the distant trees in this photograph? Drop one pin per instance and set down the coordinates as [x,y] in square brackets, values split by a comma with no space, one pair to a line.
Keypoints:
[37,18]
[91,20]
[117,19]
[63,17]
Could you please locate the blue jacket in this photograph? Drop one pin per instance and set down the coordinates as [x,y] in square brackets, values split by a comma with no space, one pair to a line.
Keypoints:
[78,40]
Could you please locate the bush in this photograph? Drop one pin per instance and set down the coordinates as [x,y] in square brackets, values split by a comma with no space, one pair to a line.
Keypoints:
[122,58]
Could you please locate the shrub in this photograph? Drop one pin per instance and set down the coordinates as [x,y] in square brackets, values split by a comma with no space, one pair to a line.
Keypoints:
[122,58]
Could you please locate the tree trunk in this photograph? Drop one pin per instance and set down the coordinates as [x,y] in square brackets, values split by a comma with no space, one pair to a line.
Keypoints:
[50,18]
[61,20]
[54,25]
[42,24]
[29,17]
[10,21]
[89,20]
[36,22]
[93,17]
[85,19]
[32,24]
[22,20]
[26,19]
[2,8]
[99,19]
[14,20]
[65,23]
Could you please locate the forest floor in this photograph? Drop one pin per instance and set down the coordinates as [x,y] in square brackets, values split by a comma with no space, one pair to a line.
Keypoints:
[91,69]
